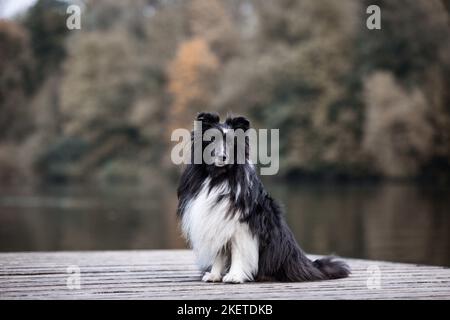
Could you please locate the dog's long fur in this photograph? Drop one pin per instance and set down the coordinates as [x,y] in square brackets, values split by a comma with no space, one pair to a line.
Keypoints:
[235,227]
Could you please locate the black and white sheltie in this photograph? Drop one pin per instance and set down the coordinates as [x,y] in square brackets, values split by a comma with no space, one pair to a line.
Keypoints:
[237,231]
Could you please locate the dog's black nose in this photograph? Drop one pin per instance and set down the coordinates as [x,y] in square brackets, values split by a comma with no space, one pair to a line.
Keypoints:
[223,158]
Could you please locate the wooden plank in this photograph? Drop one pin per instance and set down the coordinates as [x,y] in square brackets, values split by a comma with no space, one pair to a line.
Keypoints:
[172,274]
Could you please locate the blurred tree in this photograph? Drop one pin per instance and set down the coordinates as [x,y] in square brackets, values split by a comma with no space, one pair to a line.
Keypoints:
[414,38]
[102,77]
[139,68]
[115,79]
[293,77]
[46,23]
[195,69]
[16,65]
[398,135]
[16,68]
[191,75]
[208,19]
[415,46]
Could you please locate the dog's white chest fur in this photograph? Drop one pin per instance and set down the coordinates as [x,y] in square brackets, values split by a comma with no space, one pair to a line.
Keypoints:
[208,227]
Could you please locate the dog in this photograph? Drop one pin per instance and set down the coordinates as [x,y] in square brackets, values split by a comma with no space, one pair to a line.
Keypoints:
[237,231]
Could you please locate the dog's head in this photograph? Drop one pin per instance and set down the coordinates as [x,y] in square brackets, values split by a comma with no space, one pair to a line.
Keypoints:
[222,144]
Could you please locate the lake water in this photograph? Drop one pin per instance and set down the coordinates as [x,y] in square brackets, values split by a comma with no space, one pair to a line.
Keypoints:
[396,222]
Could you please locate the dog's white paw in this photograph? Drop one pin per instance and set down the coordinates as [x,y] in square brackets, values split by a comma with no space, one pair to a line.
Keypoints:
[212,277]
[233,278]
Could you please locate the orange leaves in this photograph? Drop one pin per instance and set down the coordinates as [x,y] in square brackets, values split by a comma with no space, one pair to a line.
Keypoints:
[190,76]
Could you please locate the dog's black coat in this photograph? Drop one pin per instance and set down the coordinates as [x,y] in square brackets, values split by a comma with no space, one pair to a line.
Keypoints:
[280,257]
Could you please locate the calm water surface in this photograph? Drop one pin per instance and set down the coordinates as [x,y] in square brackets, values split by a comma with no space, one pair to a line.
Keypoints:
[397,222]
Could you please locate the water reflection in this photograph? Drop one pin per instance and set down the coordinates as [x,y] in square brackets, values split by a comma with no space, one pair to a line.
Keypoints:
[397,222]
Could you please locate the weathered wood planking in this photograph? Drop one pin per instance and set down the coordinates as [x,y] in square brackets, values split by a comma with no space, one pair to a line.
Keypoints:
[172,274]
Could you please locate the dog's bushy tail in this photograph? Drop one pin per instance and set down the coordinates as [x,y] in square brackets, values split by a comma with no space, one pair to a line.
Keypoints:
[292,264]
[300,268]
[282,259]
[332,268]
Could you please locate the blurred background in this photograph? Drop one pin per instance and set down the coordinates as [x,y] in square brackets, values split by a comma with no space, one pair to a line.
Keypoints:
[364,119]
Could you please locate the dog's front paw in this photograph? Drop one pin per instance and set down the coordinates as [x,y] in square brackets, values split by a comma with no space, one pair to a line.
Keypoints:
[211,277]
[234,278]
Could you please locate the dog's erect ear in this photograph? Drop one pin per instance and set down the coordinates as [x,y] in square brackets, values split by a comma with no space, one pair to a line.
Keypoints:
[238,123]
[208,117]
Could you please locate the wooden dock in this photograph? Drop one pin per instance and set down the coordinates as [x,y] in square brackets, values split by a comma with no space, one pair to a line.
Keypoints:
[172,274]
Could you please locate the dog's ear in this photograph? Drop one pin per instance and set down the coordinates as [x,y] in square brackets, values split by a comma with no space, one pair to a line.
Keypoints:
[239,123]
[208,118]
